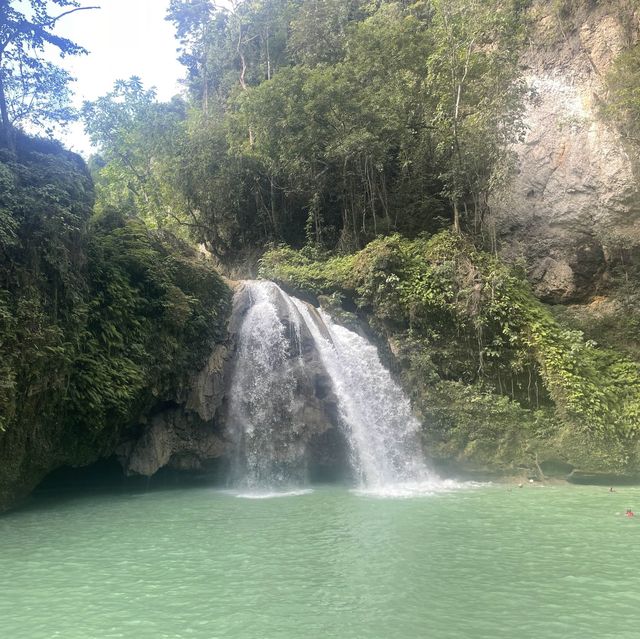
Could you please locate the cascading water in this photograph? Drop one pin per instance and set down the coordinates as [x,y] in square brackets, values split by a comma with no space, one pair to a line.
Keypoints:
[267,416]
[382,432]
[263,398]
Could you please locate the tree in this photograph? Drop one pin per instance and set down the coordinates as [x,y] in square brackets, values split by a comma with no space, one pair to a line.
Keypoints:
[195,28]
[319,30]
[138,141]
[331,122]
[230,46]
[477,93]
[32,90]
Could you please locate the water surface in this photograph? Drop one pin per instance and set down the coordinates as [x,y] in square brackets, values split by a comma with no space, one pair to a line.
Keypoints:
[539,563]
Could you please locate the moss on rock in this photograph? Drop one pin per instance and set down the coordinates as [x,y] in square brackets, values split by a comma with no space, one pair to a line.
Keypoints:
[100,319]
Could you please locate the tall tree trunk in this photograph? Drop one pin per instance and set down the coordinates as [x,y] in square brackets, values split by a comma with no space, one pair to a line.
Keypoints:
[243,65]
[205,94]
[268,57]
[274,212]
[456,217]
[6,139]
[205,76]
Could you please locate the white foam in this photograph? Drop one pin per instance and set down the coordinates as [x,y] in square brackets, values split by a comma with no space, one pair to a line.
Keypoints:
[412,489]
[265,423]
[383,433]
[274,494]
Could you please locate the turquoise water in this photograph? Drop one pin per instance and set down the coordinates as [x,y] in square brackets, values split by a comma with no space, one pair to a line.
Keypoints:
[199,563]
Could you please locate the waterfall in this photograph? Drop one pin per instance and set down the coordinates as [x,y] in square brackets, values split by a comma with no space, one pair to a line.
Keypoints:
[262,407]
[286,345]
[382,432]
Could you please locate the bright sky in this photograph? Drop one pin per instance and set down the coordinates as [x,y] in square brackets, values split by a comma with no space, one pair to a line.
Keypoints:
[124,38]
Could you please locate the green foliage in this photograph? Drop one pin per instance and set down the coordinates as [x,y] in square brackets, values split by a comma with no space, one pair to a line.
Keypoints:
[44,204]
[151,315]
[323,123]
[393,132]
[319,31]
[613,322]
[227,46]
[624,99]
[100,319]
[473,74]
[471,424]
[33,91]
[304,273]
[139,141]
[477,322]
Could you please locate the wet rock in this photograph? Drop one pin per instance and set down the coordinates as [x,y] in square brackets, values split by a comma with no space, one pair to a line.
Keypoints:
[188,436]
[207,390]
[556,468]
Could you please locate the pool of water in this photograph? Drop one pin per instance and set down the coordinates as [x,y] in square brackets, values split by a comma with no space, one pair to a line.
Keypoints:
[487,562]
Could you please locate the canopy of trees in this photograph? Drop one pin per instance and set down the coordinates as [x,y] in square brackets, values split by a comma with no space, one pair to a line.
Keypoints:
[320,123]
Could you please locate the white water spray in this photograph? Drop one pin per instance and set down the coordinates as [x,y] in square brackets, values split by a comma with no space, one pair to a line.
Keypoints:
[382,432]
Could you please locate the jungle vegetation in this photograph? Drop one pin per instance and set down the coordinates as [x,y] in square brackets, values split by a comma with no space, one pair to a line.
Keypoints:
[319,123]
[351,148]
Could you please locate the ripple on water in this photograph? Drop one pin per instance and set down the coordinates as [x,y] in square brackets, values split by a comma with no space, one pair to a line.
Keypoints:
[267,494]
[489,563]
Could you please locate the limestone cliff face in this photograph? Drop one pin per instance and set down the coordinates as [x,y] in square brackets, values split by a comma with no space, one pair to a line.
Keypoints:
[575,201]
[174,439]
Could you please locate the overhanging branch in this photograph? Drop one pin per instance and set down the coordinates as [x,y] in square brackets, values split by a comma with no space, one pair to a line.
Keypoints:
[51,22]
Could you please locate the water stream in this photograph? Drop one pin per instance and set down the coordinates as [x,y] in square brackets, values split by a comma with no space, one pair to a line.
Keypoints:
[262,411]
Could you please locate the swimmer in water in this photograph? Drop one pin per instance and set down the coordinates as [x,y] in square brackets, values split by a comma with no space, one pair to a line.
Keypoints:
[629,512]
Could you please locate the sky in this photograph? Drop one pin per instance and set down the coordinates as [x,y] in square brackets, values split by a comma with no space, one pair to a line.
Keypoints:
[124,38]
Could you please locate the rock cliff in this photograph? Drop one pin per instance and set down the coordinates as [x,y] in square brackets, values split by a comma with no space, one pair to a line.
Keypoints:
[574,203]
[188,434]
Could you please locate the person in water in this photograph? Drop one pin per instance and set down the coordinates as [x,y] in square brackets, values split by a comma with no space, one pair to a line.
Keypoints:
[629,512]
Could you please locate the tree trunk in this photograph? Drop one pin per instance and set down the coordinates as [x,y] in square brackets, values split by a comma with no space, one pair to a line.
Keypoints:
[456,217]
[268,57]
[6,139]
[274,213]
[205,77]
[205,94]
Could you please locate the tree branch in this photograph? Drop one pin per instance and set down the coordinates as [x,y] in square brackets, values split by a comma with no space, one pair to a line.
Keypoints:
[51,22]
